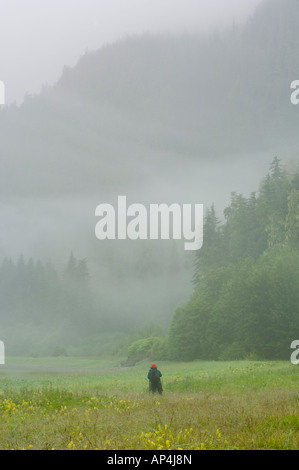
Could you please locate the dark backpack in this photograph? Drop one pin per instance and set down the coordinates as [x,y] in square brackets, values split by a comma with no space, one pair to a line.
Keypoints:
[154,376]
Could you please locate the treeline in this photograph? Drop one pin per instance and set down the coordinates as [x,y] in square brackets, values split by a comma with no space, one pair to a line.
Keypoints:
[245,301]
[246,296]
[43,310]
[49,312]
[35,292]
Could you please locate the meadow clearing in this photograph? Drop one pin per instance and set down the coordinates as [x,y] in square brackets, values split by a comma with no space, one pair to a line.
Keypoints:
[79,403]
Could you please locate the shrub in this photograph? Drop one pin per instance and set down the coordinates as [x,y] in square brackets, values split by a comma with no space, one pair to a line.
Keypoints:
[148,348]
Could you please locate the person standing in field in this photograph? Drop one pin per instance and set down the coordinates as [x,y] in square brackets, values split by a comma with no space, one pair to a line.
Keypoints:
[154,377]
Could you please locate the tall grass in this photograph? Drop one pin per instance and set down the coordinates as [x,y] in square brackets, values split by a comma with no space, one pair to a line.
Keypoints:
[95,404]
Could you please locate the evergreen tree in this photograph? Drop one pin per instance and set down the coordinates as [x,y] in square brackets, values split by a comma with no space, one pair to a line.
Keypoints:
[209,256]
[292,220]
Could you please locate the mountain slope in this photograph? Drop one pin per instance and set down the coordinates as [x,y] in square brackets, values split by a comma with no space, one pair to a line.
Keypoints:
[161,119]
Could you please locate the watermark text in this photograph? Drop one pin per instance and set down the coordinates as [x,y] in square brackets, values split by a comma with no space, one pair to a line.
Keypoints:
[295,94]
[2,93]
[295,354]
[159,222]
[2,353]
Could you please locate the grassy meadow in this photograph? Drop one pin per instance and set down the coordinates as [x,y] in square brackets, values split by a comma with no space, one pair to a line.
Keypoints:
[79,403]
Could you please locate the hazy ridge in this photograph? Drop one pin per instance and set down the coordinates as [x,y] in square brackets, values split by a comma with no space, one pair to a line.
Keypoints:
[158,118]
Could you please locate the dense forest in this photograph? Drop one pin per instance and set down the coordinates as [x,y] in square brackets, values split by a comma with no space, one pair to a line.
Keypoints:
[38,304]
[50,312]
[246,296]
[158,118]
[245,301]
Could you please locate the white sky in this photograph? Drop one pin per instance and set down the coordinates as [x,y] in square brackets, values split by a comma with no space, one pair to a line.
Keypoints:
[39,37]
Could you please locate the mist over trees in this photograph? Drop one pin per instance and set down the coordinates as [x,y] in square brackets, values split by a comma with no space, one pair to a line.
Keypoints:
[246,298]
[159,118]
[43,311]
[146,104]
[245,301]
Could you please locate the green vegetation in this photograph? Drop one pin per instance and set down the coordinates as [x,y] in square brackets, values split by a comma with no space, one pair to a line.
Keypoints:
[42,304]
[84,403]
[245,302]
[246,298]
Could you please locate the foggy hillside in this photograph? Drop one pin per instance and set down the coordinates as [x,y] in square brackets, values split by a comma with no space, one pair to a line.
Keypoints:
[146,104]
[157,118]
